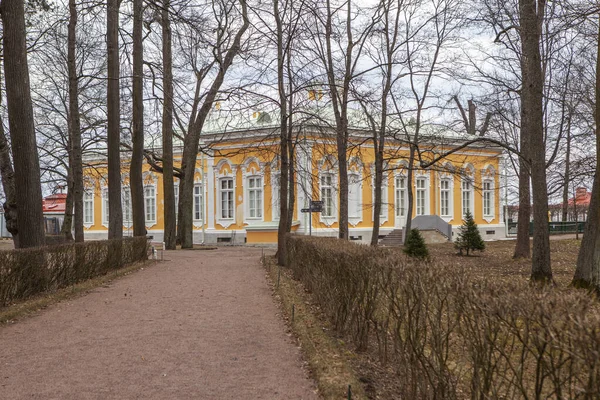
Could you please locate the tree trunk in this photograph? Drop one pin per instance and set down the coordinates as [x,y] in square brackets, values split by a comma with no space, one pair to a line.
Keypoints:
[291,183]
[283,143]
[75,157]
[587,273]
[115,216]
[409,192]
[67,226]
[567,179]
[377,191]
[342,152]
[22,131]
[8,184]
[137,153]
[522,246]
[170,232]
[531,17]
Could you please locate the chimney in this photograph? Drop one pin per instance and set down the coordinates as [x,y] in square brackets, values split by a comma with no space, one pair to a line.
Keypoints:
[581,192]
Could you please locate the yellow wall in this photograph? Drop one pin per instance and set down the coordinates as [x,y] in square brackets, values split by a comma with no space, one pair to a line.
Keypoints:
[479,158]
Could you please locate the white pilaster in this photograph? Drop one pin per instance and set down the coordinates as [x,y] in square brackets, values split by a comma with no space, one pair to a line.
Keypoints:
[210,161]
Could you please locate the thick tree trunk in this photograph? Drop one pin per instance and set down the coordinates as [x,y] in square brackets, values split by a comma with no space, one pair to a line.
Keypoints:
[342,152]
[8,184]
[170,237]
[22,131]
[115,216]
[75,158]
[137,154]
[377,191]
[67,226]
[531,17]
[587,273]
[522,245]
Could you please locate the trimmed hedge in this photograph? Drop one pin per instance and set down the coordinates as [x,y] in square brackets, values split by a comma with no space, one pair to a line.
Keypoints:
[27,272]
[449,335]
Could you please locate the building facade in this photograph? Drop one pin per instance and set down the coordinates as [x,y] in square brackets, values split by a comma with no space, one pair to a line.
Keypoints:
[236,191]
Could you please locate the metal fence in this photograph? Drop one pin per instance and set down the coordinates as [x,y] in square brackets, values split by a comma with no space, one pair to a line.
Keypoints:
[556,228]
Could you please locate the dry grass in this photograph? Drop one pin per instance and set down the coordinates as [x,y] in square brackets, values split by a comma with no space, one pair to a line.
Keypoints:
[496,261]
[32,306]
[327,357]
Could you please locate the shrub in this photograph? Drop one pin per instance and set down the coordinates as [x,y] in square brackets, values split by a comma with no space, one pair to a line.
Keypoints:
[444,333]
[415,245]
[27,272]
[469,237]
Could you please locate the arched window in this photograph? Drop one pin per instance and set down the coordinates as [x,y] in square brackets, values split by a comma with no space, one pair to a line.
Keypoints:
[488,193]
[150,181]
[225,174]
[446,192]
[328,189]
[253,177]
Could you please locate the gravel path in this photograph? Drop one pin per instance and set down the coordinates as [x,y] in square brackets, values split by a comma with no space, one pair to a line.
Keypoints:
[200,326]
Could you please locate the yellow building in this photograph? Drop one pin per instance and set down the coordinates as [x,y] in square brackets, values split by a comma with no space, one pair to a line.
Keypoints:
[236,190]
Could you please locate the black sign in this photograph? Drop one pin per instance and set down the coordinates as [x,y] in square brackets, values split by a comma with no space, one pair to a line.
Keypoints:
[316,206]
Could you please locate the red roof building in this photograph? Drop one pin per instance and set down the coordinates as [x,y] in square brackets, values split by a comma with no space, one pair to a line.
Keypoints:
[54,204]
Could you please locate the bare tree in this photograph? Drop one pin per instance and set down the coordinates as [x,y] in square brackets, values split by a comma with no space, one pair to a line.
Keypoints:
[137,154]
[75,186]
[199,113]
[115,216]
[531,17]
[170,233]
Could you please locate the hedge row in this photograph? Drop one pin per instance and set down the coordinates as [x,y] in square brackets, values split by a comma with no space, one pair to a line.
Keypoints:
[26,272]
[450,335]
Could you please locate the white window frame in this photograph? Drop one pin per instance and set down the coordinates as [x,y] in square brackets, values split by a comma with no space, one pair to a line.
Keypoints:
[275,204]
[219,177]
[176,194]
[198,204]
[450,191]
[385,204]
[259,196]
[491,214]
[127,206]
[467,194]
[400,212]
[88,199]
[152,203]
[355,179]
[230,215]
[326,217]
[420,209]
[105,207]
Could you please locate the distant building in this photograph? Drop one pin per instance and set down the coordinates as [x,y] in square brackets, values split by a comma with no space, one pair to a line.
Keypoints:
[577,207]
[53,208]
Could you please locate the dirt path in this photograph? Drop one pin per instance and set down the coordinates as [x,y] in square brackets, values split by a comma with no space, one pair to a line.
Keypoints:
[201,326]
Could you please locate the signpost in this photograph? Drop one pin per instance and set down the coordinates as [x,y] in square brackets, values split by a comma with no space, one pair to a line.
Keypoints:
[315,206]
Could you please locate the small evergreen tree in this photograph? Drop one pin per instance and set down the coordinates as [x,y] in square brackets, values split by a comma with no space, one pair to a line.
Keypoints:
[415,245]
[468,236]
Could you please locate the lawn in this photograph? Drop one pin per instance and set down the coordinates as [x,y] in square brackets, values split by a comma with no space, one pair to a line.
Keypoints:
[497,260]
